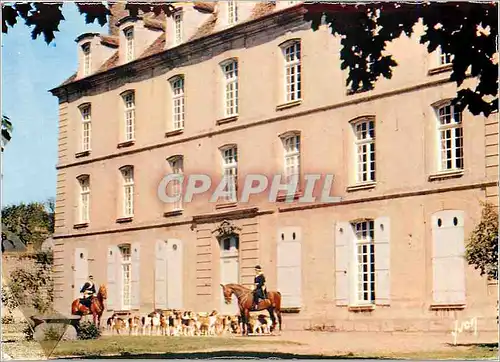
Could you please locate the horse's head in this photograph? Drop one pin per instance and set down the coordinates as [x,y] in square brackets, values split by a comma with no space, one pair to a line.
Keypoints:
[103,291]
[228,292]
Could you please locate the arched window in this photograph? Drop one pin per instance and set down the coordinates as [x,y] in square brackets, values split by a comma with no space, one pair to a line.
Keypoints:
[292,70]
[177,86]
[230,73]
[291,153]
[127,173]
[129,114]
[84,198]
[229,155]
[450,134]
[364,139]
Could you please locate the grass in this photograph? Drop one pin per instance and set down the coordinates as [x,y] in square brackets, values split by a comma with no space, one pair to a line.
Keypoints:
[472,352]
[207,348]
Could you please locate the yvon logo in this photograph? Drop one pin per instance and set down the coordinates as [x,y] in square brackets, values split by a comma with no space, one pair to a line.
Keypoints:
[198,184]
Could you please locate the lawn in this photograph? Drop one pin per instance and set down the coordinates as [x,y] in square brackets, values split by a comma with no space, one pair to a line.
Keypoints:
[470,352]
[135,345]
[206,347]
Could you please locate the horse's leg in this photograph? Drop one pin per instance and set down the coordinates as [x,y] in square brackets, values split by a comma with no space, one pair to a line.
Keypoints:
[278,313]
[247,317]
[273,319]
[243,321]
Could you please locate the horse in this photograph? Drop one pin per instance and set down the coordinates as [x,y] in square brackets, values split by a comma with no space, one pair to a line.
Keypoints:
[245,303]
[96,306]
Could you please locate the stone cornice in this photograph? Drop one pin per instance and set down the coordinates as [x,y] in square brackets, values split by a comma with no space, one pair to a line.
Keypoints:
[274,20]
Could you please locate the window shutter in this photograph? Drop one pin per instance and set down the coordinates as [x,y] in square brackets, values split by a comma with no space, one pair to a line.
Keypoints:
[135,297]
[112,301]
[382,261]
[343,239]
[161,275]
[81,271]
[448,254]
[289,268]
[175,274]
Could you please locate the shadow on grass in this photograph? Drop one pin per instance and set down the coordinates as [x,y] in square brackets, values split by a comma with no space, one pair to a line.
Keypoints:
[224,355]
[478,345]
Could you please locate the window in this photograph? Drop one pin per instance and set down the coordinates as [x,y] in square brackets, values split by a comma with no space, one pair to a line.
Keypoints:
[86,59]
[86,127]
[230,171]
[364,131]
[178,102]
[291,53]
[178,28]
[128,191]
[126,270]
[365,262]
[232,12]
[129,44]
[291,145]
[129,104]
[444,58]
[450,138]
[230,70]
[177,168]
[84,204]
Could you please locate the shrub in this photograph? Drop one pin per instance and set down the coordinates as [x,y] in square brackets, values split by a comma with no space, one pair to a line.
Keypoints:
[87,330]
[8,319]
[28,331]
[53,333]
[482,249]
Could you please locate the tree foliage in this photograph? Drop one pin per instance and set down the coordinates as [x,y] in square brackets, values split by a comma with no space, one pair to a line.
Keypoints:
[466,30]
[482,249]
[32,222]
[31,285]
[7,129]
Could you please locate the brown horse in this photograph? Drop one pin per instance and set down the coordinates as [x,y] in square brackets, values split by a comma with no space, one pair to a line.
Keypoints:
[245,303]
[96,306]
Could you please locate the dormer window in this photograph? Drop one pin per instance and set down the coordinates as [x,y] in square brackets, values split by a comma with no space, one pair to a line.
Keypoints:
[86,59]
[178,28]
[129,43]
[232,12]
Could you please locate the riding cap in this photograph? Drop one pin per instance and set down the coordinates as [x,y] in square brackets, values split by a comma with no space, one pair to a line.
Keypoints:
[257,267]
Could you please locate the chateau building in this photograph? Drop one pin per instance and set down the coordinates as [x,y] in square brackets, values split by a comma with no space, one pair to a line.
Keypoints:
[229,89]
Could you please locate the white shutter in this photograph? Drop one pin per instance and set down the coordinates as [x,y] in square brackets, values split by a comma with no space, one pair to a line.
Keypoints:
[175,274]
[161,275]
[135,297]
[382,261]
[112,300]
[448,257]
[343,238]
[81,271]
[289,267]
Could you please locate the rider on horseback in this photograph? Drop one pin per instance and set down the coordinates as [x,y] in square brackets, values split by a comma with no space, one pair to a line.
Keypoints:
[88,291]
[260,288]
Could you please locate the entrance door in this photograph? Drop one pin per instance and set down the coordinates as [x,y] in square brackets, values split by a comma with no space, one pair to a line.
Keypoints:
[229,270]
[81,271]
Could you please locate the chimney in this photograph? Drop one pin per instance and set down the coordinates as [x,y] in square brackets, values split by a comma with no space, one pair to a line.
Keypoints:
[117,12]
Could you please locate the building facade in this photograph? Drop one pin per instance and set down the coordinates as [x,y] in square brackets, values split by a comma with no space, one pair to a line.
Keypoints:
[230,89]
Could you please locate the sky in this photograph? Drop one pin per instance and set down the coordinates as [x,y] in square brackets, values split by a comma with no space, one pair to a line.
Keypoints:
[29,69]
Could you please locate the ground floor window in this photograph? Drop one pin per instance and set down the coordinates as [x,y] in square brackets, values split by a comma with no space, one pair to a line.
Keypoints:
[365,262]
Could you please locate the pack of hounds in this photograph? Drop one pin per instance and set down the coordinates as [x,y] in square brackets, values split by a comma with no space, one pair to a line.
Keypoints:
[185,323]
